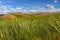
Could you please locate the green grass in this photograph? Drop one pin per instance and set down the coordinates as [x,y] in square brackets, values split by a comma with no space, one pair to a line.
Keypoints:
[31,28]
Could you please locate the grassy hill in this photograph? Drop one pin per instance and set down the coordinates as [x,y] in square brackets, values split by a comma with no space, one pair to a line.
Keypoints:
[30,26]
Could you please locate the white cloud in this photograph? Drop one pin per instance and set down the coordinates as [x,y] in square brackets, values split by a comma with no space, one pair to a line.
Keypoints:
[55,1]
[41,8]
[3,9]
[51,8]
[32,10]
[0,2]
[48,5]
[17,9]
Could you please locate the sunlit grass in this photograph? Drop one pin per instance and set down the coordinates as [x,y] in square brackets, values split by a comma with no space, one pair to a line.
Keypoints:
[31,28]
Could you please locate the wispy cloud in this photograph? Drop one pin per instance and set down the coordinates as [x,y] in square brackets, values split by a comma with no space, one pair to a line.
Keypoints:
[0,2]
[3,9]
[6,9]
[55,1]
[50,6]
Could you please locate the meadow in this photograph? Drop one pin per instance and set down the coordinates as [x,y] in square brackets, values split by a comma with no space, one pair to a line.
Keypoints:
[30,27]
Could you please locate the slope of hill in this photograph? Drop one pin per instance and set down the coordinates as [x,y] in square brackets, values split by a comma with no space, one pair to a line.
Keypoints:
[30,27]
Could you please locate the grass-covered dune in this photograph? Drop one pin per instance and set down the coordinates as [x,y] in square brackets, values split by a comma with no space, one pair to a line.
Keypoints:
[30,27]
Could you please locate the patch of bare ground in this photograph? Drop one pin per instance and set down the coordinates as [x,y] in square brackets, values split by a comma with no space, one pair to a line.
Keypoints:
[8,16]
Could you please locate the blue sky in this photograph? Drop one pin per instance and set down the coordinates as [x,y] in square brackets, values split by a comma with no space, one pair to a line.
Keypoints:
[30,4]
